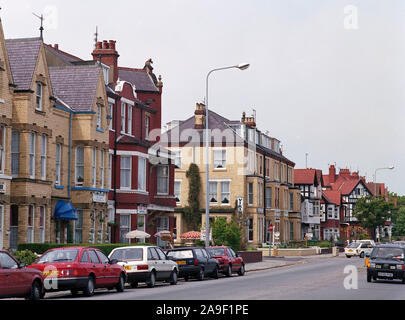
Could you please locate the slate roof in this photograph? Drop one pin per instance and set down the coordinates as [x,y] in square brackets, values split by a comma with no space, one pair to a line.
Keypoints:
[75,85]
[23,56]
[138,77]
[64,56]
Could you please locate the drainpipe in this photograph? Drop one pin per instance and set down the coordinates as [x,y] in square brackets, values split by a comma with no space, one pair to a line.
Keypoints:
[115,165]
[264,199]
[70,154]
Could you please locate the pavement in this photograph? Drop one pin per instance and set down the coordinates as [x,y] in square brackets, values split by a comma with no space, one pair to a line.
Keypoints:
[279,262]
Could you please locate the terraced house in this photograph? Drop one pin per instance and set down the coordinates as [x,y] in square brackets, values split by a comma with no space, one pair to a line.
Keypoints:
[245,164]
[58,126]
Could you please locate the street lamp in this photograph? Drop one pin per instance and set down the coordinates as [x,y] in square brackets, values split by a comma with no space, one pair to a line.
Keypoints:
[242,66]
[375,177]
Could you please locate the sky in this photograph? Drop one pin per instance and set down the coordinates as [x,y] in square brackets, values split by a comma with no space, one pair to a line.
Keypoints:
[326,77]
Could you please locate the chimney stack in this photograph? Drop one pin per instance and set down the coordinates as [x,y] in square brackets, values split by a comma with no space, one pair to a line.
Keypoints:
[332,174]
[109,56]
[199,116]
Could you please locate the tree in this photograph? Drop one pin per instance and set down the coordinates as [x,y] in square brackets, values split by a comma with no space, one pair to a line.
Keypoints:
[399,223]
[192,212]
[373,212]
[227,234]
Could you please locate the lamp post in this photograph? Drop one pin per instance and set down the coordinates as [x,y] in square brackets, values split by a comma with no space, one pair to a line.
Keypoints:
[242,66]
[375,177]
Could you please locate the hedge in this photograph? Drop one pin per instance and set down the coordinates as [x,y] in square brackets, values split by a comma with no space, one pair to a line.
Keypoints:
[106,248]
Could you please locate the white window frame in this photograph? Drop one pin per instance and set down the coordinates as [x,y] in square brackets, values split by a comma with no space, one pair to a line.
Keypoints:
[42,213]
[123,116]
[99,114]
[32,154]
[163,178]
[178,159]
[111,110]
[142,175]
[79,165]
[3,148]
[225,193]
[129,119]
[126,170]
[15,152]
[94,168]
[58,177]
[31,228]
[213,192]
[78,229]
[102,167]
[147,127]
[44,142]
[110,159]
[39,95]
[251,195]
[177,191]
[220,159]
[127,228]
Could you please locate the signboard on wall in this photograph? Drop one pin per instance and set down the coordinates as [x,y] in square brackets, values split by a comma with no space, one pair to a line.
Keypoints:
[100,197]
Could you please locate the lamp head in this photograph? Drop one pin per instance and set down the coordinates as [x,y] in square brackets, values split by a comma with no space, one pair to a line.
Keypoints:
[243,66]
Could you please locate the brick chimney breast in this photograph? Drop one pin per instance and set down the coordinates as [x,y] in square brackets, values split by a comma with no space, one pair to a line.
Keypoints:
[332,174]
[199,116]
[109,56]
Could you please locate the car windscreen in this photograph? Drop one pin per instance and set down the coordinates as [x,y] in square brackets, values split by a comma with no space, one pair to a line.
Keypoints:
[387,253]
[353,245]
[216,251]
[133,254]
[69,255]
[181,254]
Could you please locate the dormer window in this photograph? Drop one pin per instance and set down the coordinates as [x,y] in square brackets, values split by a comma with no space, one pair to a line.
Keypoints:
[39,97]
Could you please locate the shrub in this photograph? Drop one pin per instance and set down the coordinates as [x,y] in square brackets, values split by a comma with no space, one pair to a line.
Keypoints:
[41,248]
[325,244]
[227,234]
[25,256]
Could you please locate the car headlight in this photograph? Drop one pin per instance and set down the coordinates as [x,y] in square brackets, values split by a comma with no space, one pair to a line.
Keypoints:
[372,265]
[378,266]
[400,267]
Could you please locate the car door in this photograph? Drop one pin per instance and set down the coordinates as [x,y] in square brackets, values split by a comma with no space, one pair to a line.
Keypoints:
[238,260]
[210,262]
[165,265]
[97,268]
[232,259]
[153,261]
[111,275]
[4,275]
[13,278]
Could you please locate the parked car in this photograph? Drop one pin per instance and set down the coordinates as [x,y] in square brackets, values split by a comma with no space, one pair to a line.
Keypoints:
[16,280]
[79,269]
[359,248]
[194,262]
[229,261]
[146,264]
[386,262]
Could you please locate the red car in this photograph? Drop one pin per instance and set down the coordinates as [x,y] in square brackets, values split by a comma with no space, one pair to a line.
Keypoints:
[79,269]
[229,261]
[18,281]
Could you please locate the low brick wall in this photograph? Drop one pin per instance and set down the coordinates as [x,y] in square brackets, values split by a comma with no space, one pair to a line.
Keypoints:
[251,256]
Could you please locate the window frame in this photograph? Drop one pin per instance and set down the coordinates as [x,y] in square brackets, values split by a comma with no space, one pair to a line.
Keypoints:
[127,170]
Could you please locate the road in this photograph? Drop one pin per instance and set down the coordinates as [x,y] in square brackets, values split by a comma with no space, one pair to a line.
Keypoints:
[310,279]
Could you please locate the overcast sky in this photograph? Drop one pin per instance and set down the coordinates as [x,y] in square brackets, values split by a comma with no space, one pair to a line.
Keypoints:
[317,85]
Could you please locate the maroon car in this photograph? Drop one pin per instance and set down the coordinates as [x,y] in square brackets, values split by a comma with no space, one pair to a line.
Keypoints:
[229,261]
[17,281]
[79,269]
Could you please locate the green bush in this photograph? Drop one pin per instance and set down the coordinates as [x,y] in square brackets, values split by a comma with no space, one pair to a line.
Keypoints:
[325,244]
[227,234]
[25,256]
[40,248]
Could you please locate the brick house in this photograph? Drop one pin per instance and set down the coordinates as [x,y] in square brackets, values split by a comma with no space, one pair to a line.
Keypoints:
[246,164]
[142,188]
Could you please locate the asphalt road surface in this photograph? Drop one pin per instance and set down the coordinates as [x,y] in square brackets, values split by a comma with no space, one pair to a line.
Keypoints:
[310,279]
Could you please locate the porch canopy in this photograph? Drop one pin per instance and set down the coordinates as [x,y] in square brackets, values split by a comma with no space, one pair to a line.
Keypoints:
[65,211]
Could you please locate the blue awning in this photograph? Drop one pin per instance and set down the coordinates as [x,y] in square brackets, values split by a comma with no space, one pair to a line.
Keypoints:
[65,211]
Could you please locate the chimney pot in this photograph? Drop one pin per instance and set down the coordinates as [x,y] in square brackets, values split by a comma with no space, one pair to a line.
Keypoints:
[56,46]
[99,45]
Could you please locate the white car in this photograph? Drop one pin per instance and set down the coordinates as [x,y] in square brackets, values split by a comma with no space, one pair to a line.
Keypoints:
[359,248]
[146,264]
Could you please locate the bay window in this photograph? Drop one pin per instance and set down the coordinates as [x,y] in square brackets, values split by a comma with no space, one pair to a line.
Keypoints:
[126,172]
[163,179]
[142,174]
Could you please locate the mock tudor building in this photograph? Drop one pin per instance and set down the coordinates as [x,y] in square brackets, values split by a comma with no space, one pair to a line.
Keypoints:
[245,164]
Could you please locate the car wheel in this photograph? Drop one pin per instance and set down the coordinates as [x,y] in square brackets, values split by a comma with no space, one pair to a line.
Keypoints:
[186,278]
[89,289]
[229,271]
[35,292]
[134,284]
[121,284]
[152,280]
[215,273]
[241,272]
[362,255]
[369,278]
[201,275]
[173,278]
[348,256]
